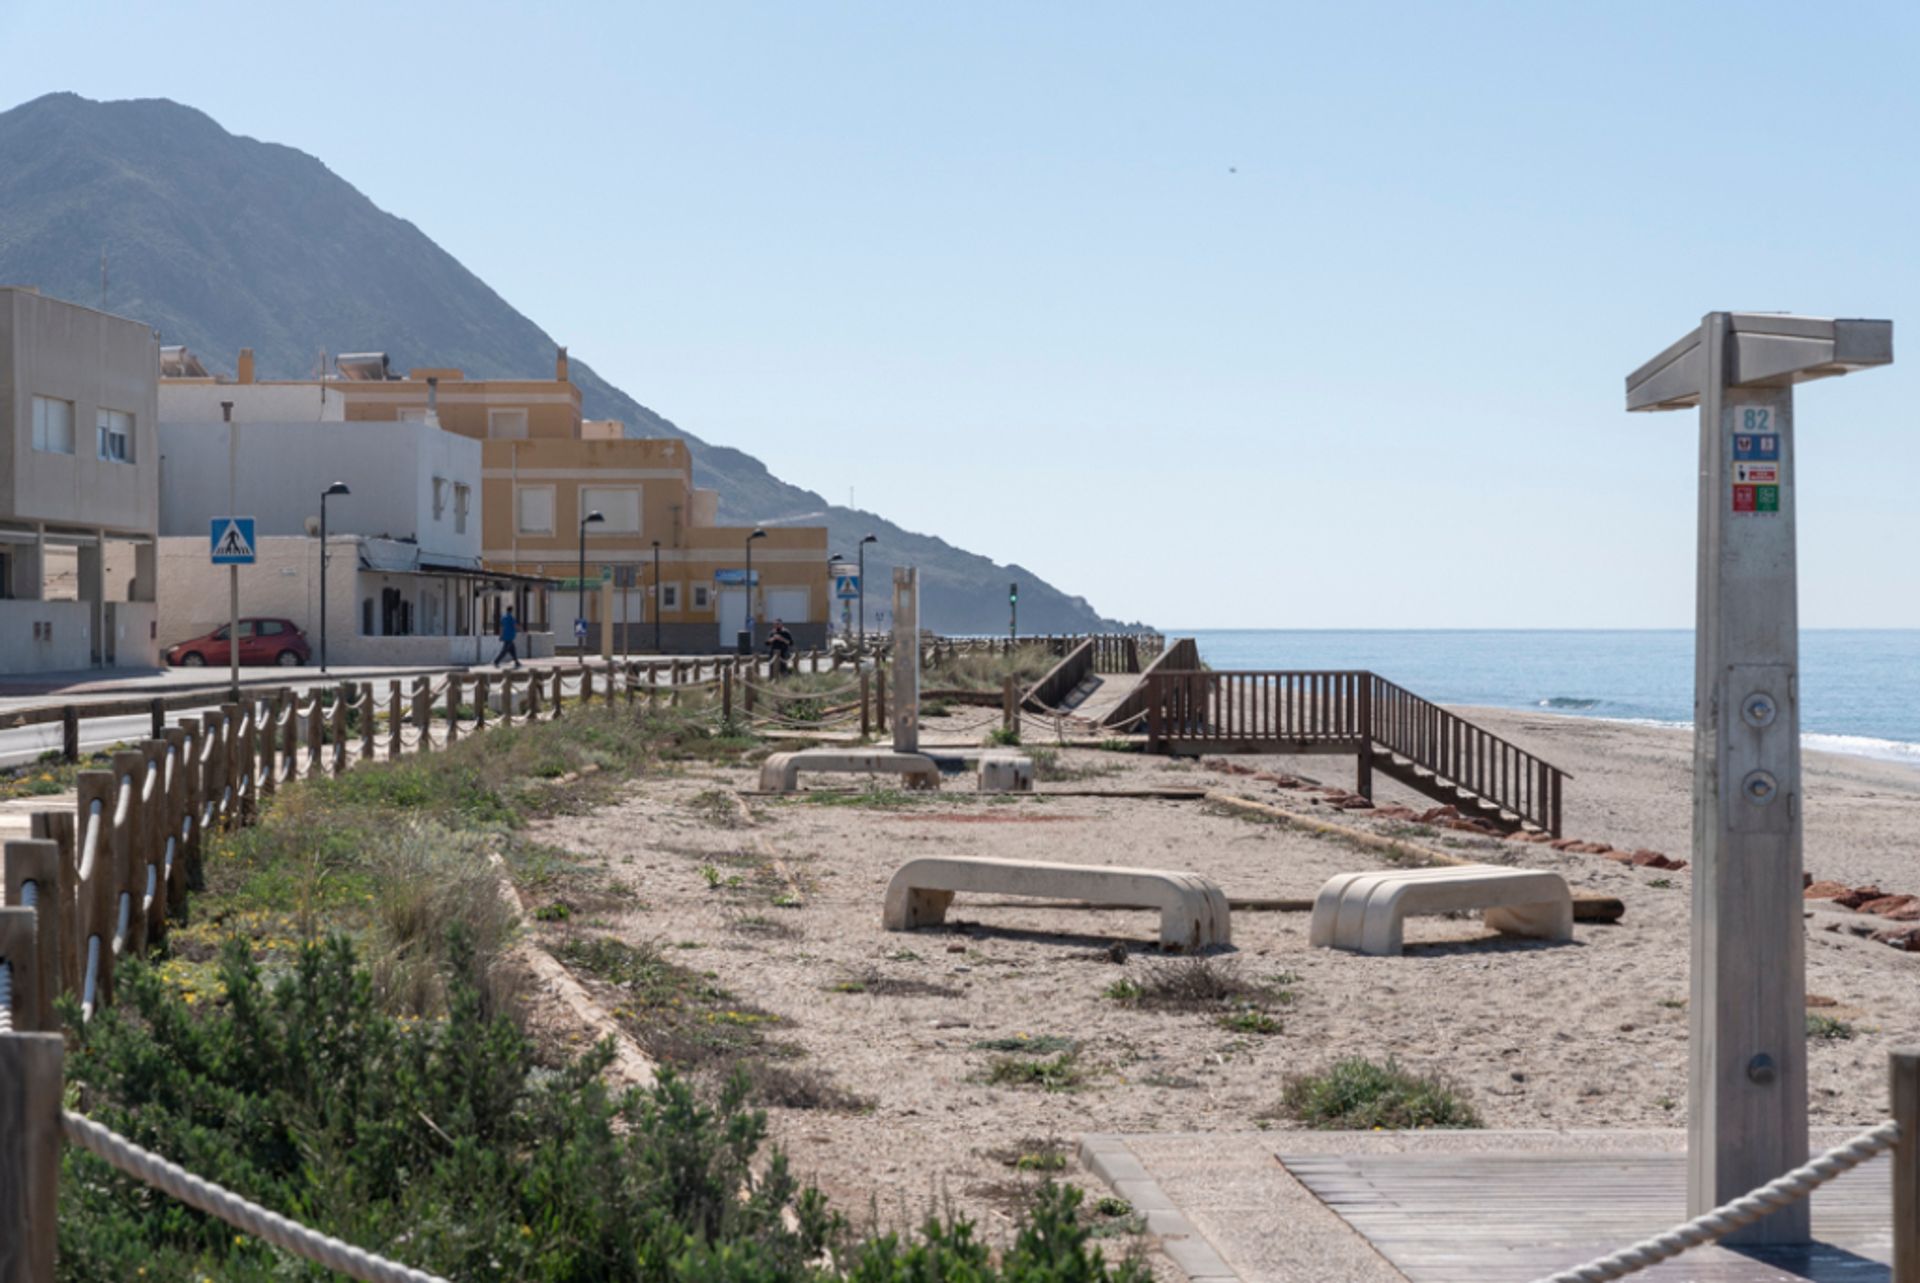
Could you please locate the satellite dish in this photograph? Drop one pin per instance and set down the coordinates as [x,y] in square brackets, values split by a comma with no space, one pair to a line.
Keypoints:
[313,526]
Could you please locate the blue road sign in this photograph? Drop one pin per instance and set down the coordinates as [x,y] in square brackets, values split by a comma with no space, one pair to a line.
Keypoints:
[846,587]
[231,541]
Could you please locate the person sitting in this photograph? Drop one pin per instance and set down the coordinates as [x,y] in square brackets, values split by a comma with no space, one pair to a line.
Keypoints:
[780,644]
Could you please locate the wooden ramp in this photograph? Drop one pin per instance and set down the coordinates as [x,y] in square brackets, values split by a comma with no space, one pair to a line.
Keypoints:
[1516,1217]
[1383,726]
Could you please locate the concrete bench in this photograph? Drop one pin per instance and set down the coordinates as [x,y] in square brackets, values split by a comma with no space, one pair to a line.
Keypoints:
[1006,773]
[780,773]
[1193,911]
[1366,912]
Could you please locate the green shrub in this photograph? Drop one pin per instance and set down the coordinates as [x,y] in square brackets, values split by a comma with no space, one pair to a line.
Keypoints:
[1003,735]
[444,1144]
[1356,1094]
[1827,1028]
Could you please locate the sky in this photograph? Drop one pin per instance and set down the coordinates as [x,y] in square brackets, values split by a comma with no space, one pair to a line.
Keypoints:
[1219,315]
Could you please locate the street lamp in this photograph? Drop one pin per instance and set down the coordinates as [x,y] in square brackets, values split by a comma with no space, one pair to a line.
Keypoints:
[753,639]
[656,597]
[580,621]
[337,488]
[863,585]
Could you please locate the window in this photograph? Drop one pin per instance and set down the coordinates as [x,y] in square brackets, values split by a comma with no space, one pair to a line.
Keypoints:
[116,436]
[620,506]
[460,497]
[669,597]
[269,628]
[52,425]
[702,596]
[439,498]
[534,509]
[503,425]
[413,416]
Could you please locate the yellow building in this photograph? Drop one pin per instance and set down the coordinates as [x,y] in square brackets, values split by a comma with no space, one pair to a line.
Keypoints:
[545,468]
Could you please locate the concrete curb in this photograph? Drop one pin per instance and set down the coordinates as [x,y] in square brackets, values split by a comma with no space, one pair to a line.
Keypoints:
[1108,1157]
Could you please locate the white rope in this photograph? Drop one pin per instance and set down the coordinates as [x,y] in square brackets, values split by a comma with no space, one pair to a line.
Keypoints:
[1728,1217]
[6,997]
[90,986]
[322,1249]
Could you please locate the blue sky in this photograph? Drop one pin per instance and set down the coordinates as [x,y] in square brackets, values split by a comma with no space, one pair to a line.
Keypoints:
[1218,314]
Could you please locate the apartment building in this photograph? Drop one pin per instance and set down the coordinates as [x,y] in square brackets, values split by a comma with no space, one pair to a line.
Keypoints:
[405,582]
[675,571]
[79,485]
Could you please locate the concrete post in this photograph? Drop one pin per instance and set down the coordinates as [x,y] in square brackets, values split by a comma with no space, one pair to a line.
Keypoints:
[1747,1089]
[906,659]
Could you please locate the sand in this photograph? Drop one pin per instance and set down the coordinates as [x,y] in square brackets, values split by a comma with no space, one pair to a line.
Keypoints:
[1591,1035]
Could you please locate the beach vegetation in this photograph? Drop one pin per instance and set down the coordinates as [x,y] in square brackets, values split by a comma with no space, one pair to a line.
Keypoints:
[1062,1072]
[1003,736]
[1357,1094]
[451,1145]
[1824,1028]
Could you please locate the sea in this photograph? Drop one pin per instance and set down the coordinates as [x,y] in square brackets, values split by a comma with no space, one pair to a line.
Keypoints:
[1859,688]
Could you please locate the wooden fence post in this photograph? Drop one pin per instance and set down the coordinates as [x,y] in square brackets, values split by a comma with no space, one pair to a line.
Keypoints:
[533,697]
[38,862]
[482,689]
[1905,1067]
[453,709]
[338,730]
[149,860]
[129,875]
[866,704]
[56,826]
[366,706]
[1009,706]
[726,696]
[70,732]
[157,711]
[559,691]
[395,745]
[586,685]
[880,695]
[423,713]
[30,1086]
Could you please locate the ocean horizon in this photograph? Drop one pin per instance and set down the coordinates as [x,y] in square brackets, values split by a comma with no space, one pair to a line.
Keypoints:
[1859,688]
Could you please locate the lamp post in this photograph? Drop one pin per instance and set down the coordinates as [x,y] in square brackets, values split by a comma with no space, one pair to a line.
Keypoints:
[337,488]
[863,585]
[753,631]
[580,585]
[656,597]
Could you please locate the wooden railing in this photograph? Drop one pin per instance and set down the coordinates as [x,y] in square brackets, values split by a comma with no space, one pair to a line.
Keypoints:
[1467,755]
[1131,712]
[1339,711]
[1301,708]
[1047,694]
[1112,652]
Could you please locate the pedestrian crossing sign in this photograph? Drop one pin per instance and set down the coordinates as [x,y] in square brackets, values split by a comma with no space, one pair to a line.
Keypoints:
[232,541]
[846,587]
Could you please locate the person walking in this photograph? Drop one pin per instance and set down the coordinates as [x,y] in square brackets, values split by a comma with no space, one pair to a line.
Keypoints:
[509,631]
[780,646]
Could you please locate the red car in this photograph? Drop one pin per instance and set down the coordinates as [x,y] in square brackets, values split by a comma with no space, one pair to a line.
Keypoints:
[262,641]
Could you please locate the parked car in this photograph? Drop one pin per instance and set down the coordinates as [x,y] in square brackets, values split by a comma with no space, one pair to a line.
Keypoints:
[262,641]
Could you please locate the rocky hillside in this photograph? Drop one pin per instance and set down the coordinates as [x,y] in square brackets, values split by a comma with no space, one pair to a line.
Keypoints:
[223,242]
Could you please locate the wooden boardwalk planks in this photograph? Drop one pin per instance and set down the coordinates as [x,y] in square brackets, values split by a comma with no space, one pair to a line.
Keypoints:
[1514,1218]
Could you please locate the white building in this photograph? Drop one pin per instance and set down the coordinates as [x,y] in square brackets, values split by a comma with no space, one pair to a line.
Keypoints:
[78,485]
[404,578]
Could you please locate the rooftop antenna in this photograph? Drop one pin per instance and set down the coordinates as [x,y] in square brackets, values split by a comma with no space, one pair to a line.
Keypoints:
[103,276]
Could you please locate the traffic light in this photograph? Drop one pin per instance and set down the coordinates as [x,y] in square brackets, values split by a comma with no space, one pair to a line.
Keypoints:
[1013,594]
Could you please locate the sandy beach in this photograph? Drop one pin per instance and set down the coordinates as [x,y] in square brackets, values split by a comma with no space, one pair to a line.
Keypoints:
[1580,1036]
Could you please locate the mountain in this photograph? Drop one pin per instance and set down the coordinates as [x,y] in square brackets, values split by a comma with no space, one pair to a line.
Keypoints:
[223,242]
